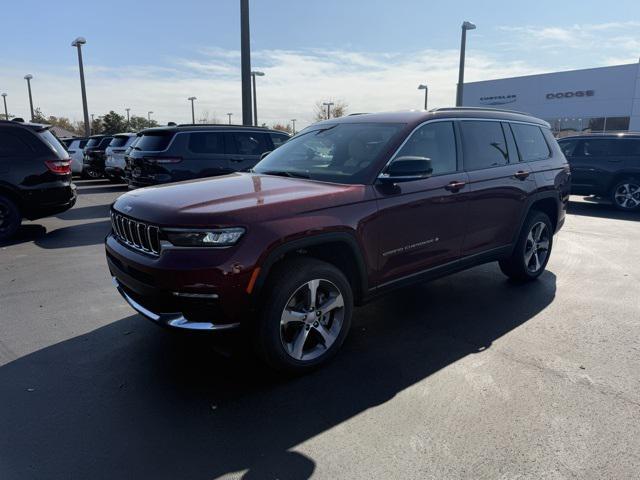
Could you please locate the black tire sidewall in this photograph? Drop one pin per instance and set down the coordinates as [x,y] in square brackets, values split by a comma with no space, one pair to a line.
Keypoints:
[612,194]
[284,283]
[533,218]
[15,218]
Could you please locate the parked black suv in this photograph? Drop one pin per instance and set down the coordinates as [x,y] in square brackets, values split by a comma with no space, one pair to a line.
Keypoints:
[184,152]
[35,175]
[94,155]
[607,166]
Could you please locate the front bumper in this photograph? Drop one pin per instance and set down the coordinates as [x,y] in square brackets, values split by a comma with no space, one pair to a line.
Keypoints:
[172,320]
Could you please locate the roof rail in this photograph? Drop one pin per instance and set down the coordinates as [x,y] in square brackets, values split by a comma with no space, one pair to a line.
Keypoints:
[358,113]
[480,109]
[215,125]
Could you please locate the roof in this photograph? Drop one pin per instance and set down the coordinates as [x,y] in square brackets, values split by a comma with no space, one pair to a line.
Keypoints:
[603,135]
[33,126]
[199,126]
[415,117]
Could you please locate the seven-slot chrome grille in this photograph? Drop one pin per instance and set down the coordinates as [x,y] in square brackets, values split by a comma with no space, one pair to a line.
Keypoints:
[138,235]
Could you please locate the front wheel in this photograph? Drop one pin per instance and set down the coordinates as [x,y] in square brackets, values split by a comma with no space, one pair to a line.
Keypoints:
[306,315]
[533,248]
[625,195]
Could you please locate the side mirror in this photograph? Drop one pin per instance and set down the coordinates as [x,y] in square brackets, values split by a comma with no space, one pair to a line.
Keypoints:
[264,154]
[407,169]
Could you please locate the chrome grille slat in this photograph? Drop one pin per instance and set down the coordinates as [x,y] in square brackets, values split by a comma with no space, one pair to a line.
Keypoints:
[137,235]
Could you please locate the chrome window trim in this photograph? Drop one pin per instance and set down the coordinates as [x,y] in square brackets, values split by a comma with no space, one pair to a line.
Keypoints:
[453,120]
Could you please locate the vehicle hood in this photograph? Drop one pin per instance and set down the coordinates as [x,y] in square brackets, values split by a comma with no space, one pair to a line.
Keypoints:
[235,199]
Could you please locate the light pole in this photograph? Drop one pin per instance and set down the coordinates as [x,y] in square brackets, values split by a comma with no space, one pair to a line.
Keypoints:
[426,93]
[193,112]
[28,78]
[293,125]
[149,117]
[229,117]
[128,121]
[463,45]
[78,42]
[328,105]
[6,112]
[245,62]
[255,74]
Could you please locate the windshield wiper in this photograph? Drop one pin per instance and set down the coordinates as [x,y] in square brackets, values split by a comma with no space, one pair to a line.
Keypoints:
[284,173]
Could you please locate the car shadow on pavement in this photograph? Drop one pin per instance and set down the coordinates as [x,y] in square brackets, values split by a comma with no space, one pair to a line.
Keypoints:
[75,235]
[85,213]
[129,400]
[26,233]
[594,207]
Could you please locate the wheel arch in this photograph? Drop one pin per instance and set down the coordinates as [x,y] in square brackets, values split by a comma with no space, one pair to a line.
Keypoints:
[340,249]
[12,193]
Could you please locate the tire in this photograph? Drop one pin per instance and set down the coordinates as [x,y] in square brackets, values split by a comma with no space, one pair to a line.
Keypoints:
[91,174]
[298,339]
[625,194]
[10,218]
[532,251]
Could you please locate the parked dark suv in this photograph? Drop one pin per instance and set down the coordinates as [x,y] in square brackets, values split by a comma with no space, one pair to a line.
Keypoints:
[185,152]
[346,210]
[607,166]
[35,175]
[95,156]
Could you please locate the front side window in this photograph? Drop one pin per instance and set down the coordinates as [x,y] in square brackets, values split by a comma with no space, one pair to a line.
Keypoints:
[530,141]
[340,153]
[206,142]
[278,139]
[435,141]
[483,144]
[251,143]
[597,147]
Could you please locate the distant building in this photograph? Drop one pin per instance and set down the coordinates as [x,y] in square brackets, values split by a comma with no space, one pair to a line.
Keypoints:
[590,100]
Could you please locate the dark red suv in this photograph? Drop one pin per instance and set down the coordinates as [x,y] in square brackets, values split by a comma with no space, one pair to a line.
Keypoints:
[346,210]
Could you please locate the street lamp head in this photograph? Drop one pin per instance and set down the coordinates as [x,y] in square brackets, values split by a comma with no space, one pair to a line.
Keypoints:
[422,87]
[78,41]
[468,26]
[28,76]
[192,98]
[257,74]
[4,94]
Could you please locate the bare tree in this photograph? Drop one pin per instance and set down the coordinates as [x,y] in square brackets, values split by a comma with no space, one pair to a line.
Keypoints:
[205,117]
[338,109]
[285,128]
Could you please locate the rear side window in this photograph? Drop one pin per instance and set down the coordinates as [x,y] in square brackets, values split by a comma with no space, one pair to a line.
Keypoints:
[207,142]
[278,139]
[119,141]
[53,143]
[597,147]
[483,145]
[251,143]
[154,142]
[530,141]
[435,141]
[13,146]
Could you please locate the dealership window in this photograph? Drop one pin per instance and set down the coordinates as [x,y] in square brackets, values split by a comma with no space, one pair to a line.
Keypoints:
[570,125]
[530,141]
[483,145]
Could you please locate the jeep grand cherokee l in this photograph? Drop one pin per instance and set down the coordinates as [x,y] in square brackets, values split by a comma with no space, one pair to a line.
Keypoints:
[606,165]
[347,209]
[185,152]
[35,175]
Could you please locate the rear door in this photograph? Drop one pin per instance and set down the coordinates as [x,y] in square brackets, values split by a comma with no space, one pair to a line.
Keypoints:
[247,148]
[499,185]
[207,153]
[594,162]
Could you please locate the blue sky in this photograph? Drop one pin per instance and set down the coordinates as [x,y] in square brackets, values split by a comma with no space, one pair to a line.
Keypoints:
[152,55]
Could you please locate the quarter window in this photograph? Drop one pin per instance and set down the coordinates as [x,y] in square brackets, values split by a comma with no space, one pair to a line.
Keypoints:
[483,145]
[530,141]
[435,141]
[206,142]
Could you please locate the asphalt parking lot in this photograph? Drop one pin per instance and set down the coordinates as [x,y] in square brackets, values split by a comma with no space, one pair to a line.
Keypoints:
[470,376]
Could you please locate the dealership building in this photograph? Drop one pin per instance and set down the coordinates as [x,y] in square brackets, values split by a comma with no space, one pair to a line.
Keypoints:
[602,99]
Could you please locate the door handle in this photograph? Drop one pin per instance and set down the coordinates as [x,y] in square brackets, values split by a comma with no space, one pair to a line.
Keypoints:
[454,186]
[521,175]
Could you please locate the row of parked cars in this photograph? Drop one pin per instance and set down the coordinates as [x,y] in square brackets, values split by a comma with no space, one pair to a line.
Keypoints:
[170,154]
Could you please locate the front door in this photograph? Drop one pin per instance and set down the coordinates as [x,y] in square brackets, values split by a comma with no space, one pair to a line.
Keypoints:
[421,224]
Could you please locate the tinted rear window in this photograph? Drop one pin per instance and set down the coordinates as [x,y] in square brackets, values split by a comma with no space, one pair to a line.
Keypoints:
[11,145]
[483,145]
[119,141]
[53,143]
[93,142]
[206,142]
[530,141]
[154,142]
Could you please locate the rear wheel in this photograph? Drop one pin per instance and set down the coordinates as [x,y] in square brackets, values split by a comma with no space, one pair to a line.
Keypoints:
[533,248]
[625,194]
[91,173]
[10,217]
[305,317]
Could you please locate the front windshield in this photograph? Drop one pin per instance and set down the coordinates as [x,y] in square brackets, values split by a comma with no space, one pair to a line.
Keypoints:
[339,153]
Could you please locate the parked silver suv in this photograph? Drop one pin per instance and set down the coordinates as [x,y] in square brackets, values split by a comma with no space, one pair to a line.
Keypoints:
[114,162]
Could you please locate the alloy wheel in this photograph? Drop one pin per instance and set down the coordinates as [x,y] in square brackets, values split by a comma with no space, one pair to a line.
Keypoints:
[627,195]
[93,173]
[536,248]
[312,320]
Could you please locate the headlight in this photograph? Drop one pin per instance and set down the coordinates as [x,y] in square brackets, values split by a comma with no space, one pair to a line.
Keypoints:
[224,237]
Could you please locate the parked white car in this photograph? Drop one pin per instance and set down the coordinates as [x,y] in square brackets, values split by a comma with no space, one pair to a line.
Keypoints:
[75,147]
[114,162]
